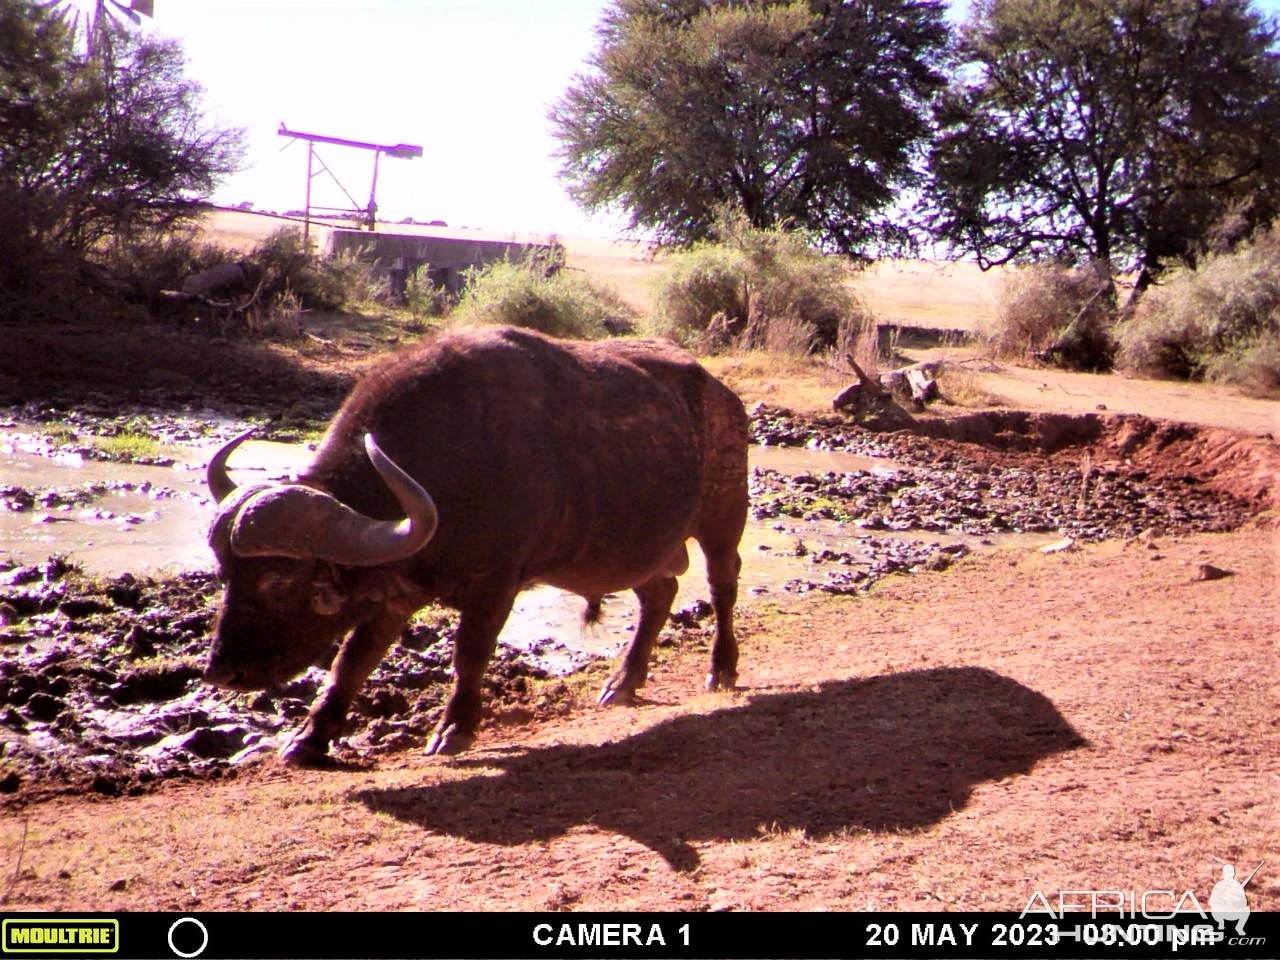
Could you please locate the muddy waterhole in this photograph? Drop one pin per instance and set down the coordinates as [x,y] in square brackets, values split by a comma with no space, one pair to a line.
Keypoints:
[106,592]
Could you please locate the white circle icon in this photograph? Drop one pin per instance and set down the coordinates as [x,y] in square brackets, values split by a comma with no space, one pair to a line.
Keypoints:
[198,950]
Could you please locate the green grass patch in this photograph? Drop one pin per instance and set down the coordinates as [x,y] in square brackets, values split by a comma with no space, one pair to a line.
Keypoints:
[128,447]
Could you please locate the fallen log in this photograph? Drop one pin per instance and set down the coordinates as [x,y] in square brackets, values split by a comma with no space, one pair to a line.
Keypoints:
[916,383]
[871,402]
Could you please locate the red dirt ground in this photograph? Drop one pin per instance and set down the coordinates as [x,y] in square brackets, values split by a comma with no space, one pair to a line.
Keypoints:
[1093,719]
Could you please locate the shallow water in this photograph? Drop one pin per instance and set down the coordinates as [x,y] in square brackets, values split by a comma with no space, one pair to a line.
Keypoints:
[153,519]
[147,519]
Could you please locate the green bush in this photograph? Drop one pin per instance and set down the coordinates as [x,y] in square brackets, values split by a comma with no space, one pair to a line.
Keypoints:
[425,299]
[282,264]
[1218,322]
[562,304]
[734,291]
[1058,314]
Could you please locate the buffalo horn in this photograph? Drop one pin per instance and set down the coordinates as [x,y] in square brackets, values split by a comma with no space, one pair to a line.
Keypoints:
[292,520]
[219,481]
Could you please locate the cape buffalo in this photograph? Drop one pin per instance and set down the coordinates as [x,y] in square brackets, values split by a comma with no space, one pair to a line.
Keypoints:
[502,458]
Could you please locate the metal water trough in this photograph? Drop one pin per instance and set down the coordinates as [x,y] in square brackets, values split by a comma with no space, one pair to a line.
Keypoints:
[447,258]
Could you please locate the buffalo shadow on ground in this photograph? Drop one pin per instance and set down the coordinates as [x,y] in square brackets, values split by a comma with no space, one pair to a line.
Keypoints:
[887,753]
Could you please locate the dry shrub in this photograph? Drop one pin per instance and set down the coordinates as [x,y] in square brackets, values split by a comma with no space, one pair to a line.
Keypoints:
[1218,322]
[280,317]
[1057,314]
[788,335]
[704,284]
[161,260]
[859,338]
[717,295]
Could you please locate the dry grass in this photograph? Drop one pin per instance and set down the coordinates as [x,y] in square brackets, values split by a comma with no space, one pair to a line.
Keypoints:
[932,294]
[805,384]
[967,388]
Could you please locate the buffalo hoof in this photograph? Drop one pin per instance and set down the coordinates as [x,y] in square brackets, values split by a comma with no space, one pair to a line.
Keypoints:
[721,680]
[620,690]
[449,740]
[615,695]
[303,753]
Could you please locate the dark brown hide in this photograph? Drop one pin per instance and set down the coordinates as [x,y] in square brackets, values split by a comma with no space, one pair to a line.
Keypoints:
[583,465]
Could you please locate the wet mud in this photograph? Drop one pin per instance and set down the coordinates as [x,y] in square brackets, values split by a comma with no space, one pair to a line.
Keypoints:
[100,683]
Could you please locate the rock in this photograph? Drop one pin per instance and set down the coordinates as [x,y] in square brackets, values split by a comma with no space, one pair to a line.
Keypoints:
[938,562]
[262,749]
[43,707]
[1207,571]
[77,607]
[1061,546]
[692,614]
[381,702]
[20,575]
[209,743]
[10,782]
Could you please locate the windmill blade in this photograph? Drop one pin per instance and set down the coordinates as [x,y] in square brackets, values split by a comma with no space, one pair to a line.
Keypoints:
[66,12]
[123,11]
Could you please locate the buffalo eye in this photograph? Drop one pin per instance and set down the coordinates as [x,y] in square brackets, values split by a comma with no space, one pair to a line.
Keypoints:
[275,585]
[325,598]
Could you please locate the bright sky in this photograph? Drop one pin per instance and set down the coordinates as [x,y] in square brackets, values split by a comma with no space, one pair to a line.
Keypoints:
[470,81]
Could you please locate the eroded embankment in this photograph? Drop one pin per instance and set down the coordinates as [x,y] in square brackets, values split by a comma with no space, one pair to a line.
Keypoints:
[1238,466]
[99,678]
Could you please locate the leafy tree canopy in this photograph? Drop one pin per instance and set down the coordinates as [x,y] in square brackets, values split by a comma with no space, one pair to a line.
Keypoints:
[89,149]
[803,112]
[1128,132]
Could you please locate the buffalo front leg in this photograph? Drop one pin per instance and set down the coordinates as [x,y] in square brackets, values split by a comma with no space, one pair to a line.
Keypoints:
[473,647]
[655,598]
[359,654]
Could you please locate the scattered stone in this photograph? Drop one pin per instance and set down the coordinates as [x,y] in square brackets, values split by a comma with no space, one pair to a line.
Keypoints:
[692,614]
[1207,571]
[43,708]
[1060,546]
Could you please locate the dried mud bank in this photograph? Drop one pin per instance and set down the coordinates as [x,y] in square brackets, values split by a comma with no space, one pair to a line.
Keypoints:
[99,678]
[1240,467]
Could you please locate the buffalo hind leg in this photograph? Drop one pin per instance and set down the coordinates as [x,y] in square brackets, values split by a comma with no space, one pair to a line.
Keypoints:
[359,654]
[723,567]
[473,647]
[655,596]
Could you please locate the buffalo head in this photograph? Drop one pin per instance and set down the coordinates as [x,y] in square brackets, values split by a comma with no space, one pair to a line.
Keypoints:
[294,561]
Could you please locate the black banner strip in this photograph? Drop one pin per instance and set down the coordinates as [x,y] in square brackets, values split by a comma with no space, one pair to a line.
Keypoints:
[527,936]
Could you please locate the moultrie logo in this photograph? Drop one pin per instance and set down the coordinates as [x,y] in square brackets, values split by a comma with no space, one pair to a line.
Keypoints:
[59,936]
[1228,901]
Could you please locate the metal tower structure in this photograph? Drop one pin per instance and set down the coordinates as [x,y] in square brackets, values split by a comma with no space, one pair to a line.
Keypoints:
[367,214]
